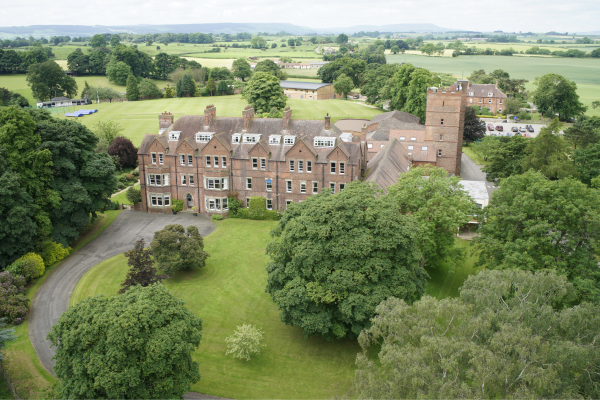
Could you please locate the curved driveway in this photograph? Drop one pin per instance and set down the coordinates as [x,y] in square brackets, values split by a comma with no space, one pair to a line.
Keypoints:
[52,298]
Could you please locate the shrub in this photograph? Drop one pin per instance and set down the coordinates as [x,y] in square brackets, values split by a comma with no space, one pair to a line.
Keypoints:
[243,213]
[134,195]
[524,115]
[177,205]
[245,342]
[216,217]
[257,208]
[30,266]
[14,305]
[121,185]
[52,252]
[126,152]
[273,215]
[136,172]
[131,178]
[234,205]
[112,205]
[122,178]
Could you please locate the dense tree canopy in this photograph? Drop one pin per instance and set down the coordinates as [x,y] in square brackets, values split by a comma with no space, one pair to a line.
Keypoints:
[376,77]
[585,132]
[439,204]
[511,87]
[267,66]
[117,72]
[505,155]
[125,151]
[264,92]
[48,80]
[137,345]
[506,336]
[474,127]
[141,267]
[533,223]
[555,94]
[176,248]
[345,65]
[409,90]
[334,258]
[98,41]
[132,90]
[241,69]
[342,85]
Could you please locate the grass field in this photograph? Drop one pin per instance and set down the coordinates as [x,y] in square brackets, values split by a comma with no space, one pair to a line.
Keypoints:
[5,392]
[230,291]
[22,365]
[122,197]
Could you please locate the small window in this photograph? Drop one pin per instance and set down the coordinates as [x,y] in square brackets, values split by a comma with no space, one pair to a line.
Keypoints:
[424,148]
[442,121]
[263,164]
[208,161]
[332,187]
[269,185]
[369,145]
[490,94]
[254,163]
[302,187]
[300,165]
[309,166]
[167,200]
[315,187]
[269,204]
[160,158]
[470,100]
[490,101]
[481,100]
[289,140]
[225,207]
[288,186]
[402,137]
[153,158]
[500,109]
[288,202]
[183,180]
[413,139]
[153,200]
[342,186]
[441,137]
[292,166]
[470,93]
[332,167]
[211,204]
[235,138]
[342,168]
[248,183]
[247,201]
[439,153]
[443,103]
[159,199]
[190,159]
[223,162]
[411,147]
[191,180]
[182,159]
[216,161]
[500,101]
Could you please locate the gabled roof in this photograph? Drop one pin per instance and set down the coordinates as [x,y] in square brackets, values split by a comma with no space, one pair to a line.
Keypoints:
[302,85]
[385,168]
[483,90]
[396,120]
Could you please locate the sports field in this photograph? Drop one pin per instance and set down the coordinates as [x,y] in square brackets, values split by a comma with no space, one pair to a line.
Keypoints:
[230,291]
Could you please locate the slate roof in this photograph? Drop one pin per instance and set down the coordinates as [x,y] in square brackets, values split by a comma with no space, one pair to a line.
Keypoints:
[302,85]
[225,127]
[385,168]
[482,90]
[349,124]
[393,120]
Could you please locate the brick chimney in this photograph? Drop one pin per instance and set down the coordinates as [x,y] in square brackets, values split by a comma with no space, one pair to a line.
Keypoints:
[209,113]
[287,114]
[496,84]
[165,120]
[327,122]
[247,115]
[363,132]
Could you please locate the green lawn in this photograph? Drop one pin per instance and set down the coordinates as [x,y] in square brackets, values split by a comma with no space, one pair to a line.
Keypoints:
[22,365]
[469,150]
[230,291]
[5,392]
[122,197]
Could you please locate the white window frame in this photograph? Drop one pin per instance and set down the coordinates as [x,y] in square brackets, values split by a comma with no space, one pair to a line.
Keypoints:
[191,180]
[190,160]
[332,187]
[153,155]
[216,161]
[269,204]
[183,180]
[263,164]
[235,138]
[369,145]
[182,159]
[323,141]
[292,165]
[204,137]
[441,137]
[274,139]
[308,166]
[161,158]
[439,152]
[342,168]
[332,167]
[248,183]
[254,162]
[300,165]
[288,186]
[303,187]
[223,162]
[289,140]
[208,162]
[413,139]
[423,148]
[411,147]
[269,184]
[315,187]
[403,138]
[342,186]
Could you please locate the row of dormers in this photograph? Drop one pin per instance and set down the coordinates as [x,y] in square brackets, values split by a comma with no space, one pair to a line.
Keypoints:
[288,140]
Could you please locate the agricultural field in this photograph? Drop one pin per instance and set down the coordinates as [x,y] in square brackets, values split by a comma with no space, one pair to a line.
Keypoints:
[290,366]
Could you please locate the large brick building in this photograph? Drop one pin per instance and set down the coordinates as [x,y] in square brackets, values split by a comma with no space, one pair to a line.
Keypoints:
[204,159]
[486,95]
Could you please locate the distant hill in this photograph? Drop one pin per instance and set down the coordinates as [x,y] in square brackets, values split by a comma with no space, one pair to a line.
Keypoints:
[84,30]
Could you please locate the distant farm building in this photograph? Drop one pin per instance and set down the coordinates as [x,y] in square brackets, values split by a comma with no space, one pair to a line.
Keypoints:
[62,102]
[308,90]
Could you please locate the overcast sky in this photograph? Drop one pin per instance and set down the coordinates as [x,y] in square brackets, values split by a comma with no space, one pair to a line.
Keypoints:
[508,15]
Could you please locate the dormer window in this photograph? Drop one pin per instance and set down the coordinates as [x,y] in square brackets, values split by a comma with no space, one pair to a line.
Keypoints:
[251,138]
[235,138]
[414,139]
[324,142]
[289,140]
[274,139]
[490,94]
[402,137]
[204,137]
[471,93]
[174,135]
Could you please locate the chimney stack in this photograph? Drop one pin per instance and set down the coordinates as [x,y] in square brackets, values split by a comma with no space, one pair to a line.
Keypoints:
[165,120]
[209,113]
[363,132]
[327,122]
[247,114]
[287,114]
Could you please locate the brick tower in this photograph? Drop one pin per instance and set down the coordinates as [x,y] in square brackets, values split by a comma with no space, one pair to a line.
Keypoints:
[445,124]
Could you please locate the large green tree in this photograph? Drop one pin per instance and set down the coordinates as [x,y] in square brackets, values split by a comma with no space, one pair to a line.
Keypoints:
[137,345]
[506,336]
[585,132]
[439,204]
[345,65]
[267,66]
[132,90]
[148,89]
[141,267]
[375,79]
[505,155]
[98,41]
[342,85]
[264,92]
[241,69]
[117,72]
[334,258]
[533,223]
[555,94]
[48,80]
[408,90]
[474,127]
[176,248]
[587,163]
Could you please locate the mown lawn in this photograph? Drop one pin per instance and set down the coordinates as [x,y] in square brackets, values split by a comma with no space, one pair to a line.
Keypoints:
[230,291]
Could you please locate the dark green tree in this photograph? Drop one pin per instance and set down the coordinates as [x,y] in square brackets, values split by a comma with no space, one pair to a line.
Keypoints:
[506,336]
[141,267]
[474,127]
[587,162]
[334,258]
[533,223]
[264,92]
[211,86]
[267,66]
[97,358]
[176,248]
[506,158]
[48,80]
[585,132]
[555,94]
[222,88]
[98,41]
[375,79]
[241,69]
[351,67]
[132,89]
[164,65]
[341,39]
[148,89]
[185,86]
[342,85]
[114,41]
[117,72]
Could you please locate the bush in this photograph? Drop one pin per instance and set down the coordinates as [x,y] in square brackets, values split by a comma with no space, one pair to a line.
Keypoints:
[122,178]
[273,215]
[524,115]
[134,195]
[257,208]
[243,213]
[126,152]
[136,172]
[121,185]
[14,305]
[234,205]
[216,217]
[30,266]
[177,205]
[112,205]
[52,252]
[131,178]
[245,342]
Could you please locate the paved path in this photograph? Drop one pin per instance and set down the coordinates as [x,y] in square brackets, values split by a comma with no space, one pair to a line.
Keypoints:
[52,298]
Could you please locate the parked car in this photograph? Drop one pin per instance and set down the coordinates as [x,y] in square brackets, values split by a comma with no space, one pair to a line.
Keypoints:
[529,128]
[505,121]
[521,129]
[499,128]
[515,129]
[490,127]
